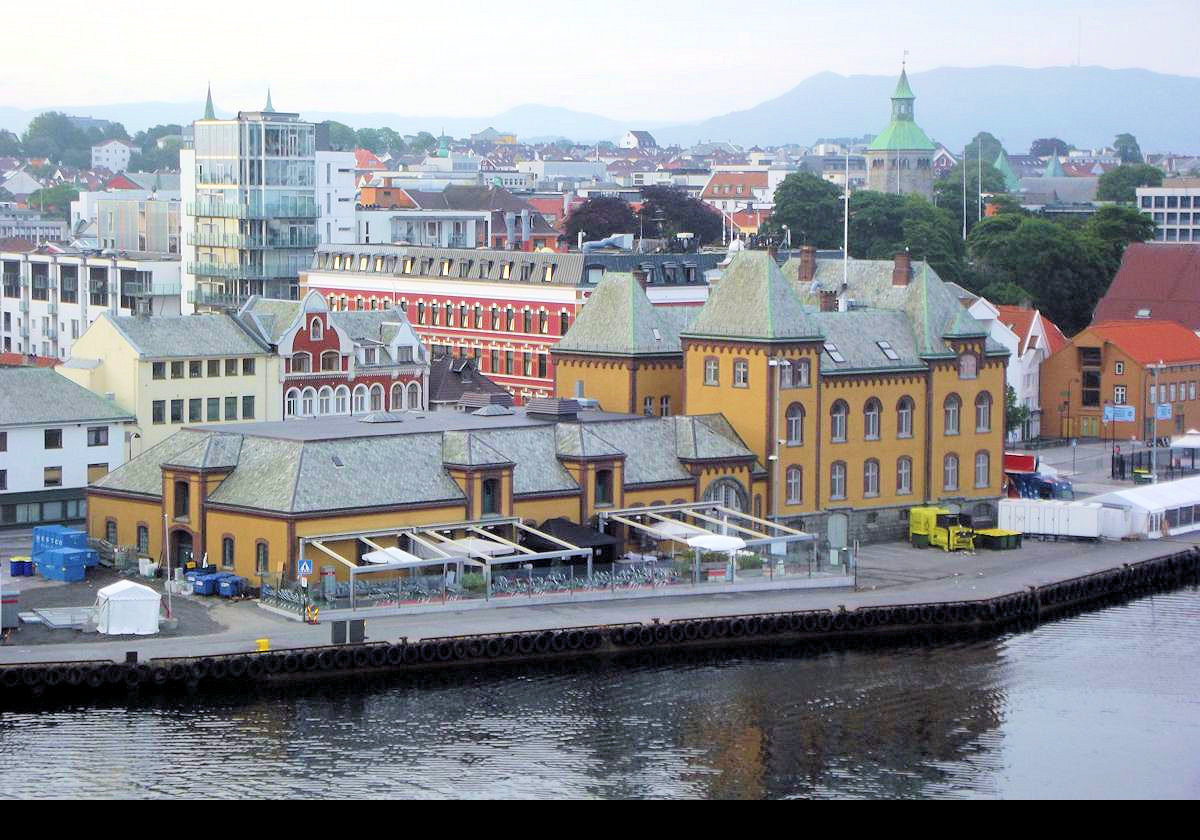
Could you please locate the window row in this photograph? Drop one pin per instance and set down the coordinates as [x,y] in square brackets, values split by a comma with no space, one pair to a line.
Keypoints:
[461,315]
[310,402]
[664,406]
[871,477]
[261,555]
[196,368]
[1171,392]
[483,269]
[203,410]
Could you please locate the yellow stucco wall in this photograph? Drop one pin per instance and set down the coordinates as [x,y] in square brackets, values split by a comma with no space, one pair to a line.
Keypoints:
[969,441]
[128,514]
[604,380]
[656,379]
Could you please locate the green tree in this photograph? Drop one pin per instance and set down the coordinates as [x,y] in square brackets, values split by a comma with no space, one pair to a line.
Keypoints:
[1114,227]
[811,207]
[1005,293]
[1128,149]
[391,141]
[368,138]
[341,136]
[54,201]
[1121,184]
[1015,414]
[667,211]
[882,224]
[149,138]
[52,135]
[948,190]
[990,145]
[1046,146]
[598,218]
[10,144]
[424,143]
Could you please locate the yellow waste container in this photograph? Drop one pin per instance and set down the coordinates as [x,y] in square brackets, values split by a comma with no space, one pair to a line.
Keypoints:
[263,644]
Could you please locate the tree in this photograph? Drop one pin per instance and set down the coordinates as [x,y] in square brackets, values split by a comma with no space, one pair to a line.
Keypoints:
[54,200]
[52,135]
[598,218]
[341,136]
[811,207]
[149,138]
[10,144]
[424,143]
[1046,146]
[667,211]
[368,138]
[391,141]
[1114,227]
[1015,414]
[1128,149]
[1121,184]
[948,190]
[882,224]
[990,145]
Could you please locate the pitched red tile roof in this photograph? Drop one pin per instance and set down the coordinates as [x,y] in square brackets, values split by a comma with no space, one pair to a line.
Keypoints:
[1163,278]
[1148,342]
[21,360]
[1054,336]
[365,159]
[749,181]
[121,182]
[1019,319]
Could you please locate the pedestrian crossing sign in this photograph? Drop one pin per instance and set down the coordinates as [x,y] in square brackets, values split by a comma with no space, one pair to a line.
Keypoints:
[305,569]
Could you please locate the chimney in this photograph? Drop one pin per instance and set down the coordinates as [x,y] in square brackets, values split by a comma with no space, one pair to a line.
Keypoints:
[641,276]
[829,301]
[808,263]
[902,269]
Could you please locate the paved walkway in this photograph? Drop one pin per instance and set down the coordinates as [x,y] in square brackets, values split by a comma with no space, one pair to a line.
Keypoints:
[888,574]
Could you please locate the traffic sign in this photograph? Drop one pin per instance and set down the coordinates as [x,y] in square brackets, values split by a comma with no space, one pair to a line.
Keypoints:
[305,569]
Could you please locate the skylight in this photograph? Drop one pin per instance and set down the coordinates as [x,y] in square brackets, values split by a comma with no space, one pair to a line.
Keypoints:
[833,352]
[886,347]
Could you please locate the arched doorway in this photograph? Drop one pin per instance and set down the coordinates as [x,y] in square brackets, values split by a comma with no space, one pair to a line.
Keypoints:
[727,492]
[181,547]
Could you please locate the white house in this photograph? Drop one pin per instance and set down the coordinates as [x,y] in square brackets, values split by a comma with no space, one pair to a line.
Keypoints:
[1030,338]
[113,155]
[55,438]
[637,140]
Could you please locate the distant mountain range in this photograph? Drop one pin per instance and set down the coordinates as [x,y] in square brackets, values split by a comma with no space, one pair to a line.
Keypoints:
[1087,106]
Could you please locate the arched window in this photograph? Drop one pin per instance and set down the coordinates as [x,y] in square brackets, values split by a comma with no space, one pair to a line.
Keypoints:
[837,480]
[904,417]
[983,412]
[983,468]
[325,400]
[871,412]
[290,403]
[871,477]
[377,397]
[331,360]
[838,413]
[795,485]
[341,400]
[729,493]
[903,476]
[795,424]
[262,558]
[227,552]
[397,397]
[414,396]
[307,398]
[315,332]
[360,399]
[301,363]
[182,499]
[952,408]
[950,472]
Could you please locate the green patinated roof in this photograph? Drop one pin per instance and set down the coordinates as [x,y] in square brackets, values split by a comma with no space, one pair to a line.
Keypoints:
[619,319]
[219,451]
[902,135]
[903,91]
[1053,168]
[1011,182]
[209,113]
[753,301]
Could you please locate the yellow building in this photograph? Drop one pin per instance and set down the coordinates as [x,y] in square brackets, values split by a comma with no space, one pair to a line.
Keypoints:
[859,409]
[172,370]
[244,495]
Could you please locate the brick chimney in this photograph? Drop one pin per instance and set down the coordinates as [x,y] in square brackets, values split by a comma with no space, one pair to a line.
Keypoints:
[902,269]
[808,263]
[829,301]
[641,276]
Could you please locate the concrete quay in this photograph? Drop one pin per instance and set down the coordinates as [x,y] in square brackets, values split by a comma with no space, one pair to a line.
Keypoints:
[888,575]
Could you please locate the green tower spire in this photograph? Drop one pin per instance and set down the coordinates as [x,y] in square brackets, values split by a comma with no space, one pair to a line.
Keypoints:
[270,109]
[209,113]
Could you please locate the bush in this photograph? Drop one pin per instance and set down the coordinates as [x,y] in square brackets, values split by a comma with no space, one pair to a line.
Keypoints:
[473,582]
[749,561]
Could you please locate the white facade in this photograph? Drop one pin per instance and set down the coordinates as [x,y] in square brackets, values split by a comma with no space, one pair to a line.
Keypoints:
[29,225]
[48,300]
[434,228]
[1026,354]
[1175,209]
[27,457]
[113,155]
[335,197]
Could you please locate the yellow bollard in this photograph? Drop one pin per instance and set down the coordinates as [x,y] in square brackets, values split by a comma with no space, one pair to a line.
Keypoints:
[263,644]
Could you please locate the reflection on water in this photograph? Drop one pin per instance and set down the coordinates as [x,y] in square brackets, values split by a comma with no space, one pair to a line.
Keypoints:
[1104,704]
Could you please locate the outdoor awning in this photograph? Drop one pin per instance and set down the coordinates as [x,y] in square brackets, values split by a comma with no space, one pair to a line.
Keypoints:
[475,546]
[717,542]
[579,535]
[393,555]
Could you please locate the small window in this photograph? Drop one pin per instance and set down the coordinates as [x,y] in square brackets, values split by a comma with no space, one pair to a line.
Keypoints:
[97,436]
[195,369]
[1119,368]
[951,409]
[261,558]
[833,352]
[159,370]
[968,366]
[648,407]
[712,369]
[231,407]
[247,367]
[950,472]
[837,480]
[604,487]
[664,405]
[143,539]
[214,367]
[158,411]
[795,486]
[52,477]
[231,367]
[741,373]
[904,476]
[315,331]
[177,370]
[838,414]
[227,553]
[52,438]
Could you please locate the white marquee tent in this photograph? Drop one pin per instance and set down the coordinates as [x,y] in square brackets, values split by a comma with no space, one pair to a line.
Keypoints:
[1155,510]
[127,608]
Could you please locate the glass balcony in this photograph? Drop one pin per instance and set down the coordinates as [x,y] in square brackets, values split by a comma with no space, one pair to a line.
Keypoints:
[154,288]
[283,208]
[248,241]
[217,298]
[244,272]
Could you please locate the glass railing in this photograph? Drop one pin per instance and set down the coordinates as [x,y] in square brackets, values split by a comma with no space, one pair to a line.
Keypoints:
[295,208]
[244,272]
[202,296]
[247,241]
[155,287]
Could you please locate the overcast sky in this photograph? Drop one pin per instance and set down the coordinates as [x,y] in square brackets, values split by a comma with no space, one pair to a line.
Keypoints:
[626,59]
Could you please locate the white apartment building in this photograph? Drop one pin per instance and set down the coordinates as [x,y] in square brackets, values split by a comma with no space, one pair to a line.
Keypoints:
[112,155]
[1175,209]
[55,438]
[49,298]
[30,225]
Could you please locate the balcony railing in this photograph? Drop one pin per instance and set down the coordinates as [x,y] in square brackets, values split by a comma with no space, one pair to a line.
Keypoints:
[242,240]
[154,288]
[243,272]
[217,299]
[256,209]
[52,307]
[23,305]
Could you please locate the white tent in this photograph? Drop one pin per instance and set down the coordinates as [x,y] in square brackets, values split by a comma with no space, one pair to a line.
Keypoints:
[127,608]
[1165,508]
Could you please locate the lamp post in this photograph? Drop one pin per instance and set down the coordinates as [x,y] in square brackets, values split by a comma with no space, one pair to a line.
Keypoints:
[777,381]
[787,234]
[1154,429]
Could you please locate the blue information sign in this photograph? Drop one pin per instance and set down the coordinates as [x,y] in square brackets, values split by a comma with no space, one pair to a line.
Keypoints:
[1163,412]
[1120,413]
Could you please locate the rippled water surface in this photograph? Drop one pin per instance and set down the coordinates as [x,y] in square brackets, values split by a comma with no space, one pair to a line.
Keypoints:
[1104,704]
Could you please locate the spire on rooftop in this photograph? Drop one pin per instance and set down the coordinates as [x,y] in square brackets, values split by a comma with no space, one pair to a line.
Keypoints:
[269,109]
[209,113]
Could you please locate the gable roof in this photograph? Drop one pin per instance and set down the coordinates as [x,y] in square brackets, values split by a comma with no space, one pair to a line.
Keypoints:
[165,336]
[1162,278]
[753,301]
[1147,342]
[750,180]
[39,395]
[450,378]
[619,319]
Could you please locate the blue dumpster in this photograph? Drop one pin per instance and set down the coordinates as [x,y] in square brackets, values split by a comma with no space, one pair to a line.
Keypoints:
[205,584]
[230,586]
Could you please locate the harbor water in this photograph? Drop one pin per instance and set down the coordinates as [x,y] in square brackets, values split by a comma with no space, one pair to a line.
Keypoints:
[1104,704]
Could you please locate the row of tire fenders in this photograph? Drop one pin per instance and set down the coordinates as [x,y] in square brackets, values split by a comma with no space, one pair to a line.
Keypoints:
[1033,604]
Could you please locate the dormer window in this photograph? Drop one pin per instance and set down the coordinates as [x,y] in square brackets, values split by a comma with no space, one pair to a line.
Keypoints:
[315,331]
[369,356]
[968,366]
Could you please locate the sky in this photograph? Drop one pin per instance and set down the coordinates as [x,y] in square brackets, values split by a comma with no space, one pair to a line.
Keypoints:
[663,60]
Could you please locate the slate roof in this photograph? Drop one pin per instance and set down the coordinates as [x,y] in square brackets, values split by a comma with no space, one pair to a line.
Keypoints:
[1068,190]
[143,474]
[1163,278]
[217,451]
[450,378]
[856,334]
[619,319]
[753,301]
[32,395]
[165,336]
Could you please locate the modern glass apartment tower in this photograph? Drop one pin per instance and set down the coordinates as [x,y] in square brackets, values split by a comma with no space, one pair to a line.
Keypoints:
[250,207]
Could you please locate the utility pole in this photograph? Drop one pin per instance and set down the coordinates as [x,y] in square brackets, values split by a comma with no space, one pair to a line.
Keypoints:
[963,165]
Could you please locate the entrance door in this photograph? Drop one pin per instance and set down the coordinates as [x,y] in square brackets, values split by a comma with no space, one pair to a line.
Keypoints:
[181,548]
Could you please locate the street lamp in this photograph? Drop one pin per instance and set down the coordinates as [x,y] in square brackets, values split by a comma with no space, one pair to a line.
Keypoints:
[777,380]
[787,233]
